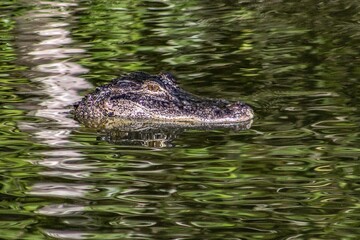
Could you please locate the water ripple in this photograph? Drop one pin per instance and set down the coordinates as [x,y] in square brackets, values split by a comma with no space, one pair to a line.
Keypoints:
[293,175]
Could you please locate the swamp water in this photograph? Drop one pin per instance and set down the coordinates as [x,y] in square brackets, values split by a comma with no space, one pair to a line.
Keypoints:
[294,174]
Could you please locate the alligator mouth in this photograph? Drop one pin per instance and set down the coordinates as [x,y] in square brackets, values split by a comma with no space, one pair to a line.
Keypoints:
[127,124]
[246,116]
[230,113]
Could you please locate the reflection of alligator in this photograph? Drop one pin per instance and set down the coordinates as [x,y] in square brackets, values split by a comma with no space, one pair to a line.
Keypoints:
[150,133]
[156,97]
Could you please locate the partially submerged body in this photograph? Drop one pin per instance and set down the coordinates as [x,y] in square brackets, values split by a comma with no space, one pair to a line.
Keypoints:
[140,96]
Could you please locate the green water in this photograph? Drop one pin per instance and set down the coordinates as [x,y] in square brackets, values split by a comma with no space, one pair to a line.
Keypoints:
[293,175]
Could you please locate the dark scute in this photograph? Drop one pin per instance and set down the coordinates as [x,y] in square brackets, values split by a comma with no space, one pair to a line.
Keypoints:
[168,76]
[76,104]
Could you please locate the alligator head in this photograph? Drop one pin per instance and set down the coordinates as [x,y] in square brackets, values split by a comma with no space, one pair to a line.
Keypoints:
[157,97]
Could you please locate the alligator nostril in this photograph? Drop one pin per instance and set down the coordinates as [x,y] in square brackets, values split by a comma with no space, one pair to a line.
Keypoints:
[241,109]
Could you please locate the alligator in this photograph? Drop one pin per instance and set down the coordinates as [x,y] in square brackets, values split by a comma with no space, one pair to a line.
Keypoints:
[141,96]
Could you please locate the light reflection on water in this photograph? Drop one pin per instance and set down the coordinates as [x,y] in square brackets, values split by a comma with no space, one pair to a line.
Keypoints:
[292,175]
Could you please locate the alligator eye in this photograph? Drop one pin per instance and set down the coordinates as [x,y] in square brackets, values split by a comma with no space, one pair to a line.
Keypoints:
[153,87]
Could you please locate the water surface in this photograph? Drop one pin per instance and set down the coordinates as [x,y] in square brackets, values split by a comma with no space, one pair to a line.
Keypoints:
[294,174]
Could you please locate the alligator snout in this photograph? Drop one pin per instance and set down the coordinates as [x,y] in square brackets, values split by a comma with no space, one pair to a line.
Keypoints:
[241,111]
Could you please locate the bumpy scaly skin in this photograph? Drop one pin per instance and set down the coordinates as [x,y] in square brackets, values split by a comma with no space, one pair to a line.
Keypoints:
[142,96]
